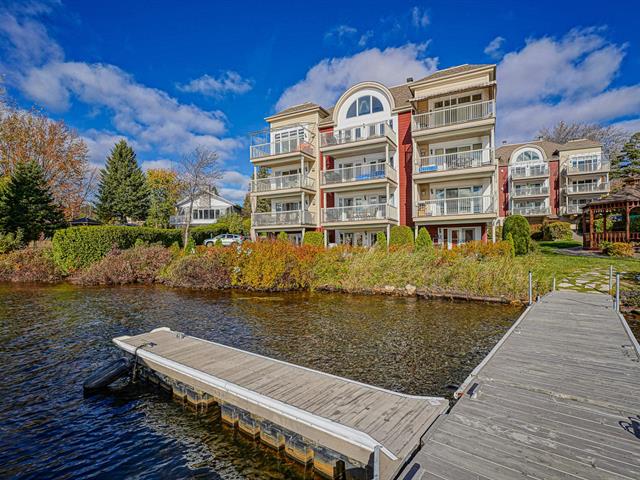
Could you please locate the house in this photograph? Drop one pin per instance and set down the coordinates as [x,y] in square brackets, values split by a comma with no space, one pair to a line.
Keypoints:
[208,207]
[421,154]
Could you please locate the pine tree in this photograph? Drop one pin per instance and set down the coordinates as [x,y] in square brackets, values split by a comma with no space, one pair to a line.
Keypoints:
[123,192]
[27,205]
[627,162]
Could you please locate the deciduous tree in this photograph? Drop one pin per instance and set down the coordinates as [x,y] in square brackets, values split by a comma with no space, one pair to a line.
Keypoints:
[612,138]
[164,191]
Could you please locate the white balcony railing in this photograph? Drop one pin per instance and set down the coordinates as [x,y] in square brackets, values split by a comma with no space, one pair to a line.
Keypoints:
[529,169]
[356,134]
[454,115]
[524,191]
[587,164]
[290,145]
[573,209]
[177,219]
[454,161]
[292,217]
[455,206]
[359,213]
[359,173]
[532,211]
[588,187]
[282,182]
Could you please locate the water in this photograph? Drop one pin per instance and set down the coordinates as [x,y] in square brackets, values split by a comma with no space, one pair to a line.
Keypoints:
[53,337]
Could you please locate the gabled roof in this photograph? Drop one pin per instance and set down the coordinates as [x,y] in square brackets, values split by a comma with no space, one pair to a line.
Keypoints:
[301,107]
[504,152]
[213,195]
[447,72]
[578,144]
[628,193]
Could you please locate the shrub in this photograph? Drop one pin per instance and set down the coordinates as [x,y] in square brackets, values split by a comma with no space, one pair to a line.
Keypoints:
[482,250]
[204,232]
[206,271]
[557,231]
[282,236]
[423,240]
[78,247]
[140,264]
[400,236]
[518,227]
[512,247]
[381,239]
[313,238]
[31,264]
[536,232]
[618,249]
[634,224]
[599,222]
[10,241]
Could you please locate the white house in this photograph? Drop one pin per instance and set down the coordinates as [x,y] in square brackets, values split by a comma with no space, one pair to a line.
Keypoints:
[207,208]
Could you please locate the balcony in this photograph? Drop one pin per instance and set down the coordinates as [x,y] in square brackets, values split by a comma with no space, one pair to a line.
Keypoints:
[360,213]
[371,133]
[534,211]
[529,170]
[291,145]
[442,207]
[454,161]
[577,188]
[582,164]
[522,191]
[359,173]
[292,217]
[281,183]
[454,115]
[573,209]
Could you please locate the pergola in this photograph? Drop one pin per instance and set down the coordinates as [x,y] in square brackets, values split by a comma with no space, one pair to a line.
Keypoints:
[623,202]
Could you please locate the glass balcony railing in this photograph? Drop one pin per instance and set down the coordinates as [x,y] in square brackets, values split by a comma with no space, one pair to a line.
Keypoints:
[359,173]
[359,213]
[282,182]
[529,170]
[588,187]
[292,217]
[455,206]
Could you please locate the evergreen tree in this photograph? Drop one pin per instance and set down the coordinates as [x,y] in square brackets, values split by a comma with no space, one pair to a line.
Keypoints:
[423,240]
[27,205]
[123,192]
[627,162]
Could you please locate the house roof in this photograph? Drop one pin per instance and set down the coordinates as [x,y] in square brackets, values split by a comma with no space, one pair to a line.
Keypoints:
[504,152]
[447,72]
[213,195]
[579,144]
[629,193]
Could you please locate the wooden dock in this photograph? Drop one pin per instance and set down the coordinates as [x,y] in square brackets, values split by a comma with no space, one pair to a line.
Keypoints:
[559,397]
[368,425]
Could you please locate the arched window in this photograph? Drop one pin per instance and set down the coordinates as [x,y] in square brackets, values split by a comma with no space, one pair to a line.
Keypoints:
[529,155]
[364,106]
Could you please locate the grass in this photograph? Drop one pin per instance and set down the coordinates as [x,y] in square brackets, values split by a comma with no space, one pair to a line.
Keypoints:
[560,244]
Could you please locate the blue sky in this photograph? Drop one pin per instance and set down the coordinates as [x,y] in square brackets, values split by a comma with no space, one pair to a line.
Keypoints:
[169,76]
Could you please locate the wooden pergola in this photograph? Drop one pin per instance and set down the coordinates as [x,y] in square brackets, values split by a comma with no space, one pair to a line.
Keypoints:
[623,203]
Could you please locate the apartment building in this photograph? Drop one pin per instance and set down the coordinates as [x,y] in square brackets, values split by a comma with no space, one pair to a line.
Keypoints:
[419,154]
[542,179]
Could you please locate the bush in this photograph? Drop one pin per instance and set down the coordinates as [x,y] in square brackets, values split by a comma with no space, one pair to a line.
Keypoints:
[10,241]
[204,232]
[423,240]
[78,247]
[518,227]
[512,247]
[206,271]
[313,238]
[31,264]
[140,264]
[482,250]
[381,239]
[617,249]
[599,222]
[536,232]
[400,236]
[283,237]
[557,231]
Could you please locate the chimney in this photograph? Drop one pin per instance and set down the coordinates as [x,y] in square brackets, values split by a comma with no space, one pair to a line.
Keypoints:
[504,142]
[409,79]
[539,138]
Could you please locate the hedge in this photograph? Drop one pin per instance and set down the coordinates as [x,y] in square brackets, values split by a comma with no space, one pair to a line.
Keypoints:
[518,227]
[77,247]
[400,235]
[202,233]
[313,238]
[557,231]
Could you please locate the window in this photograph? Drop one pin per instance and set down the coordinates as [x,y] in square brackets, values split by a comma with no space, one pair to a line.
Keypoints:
[364,106]
[529,156]
[353,110]
[376,105]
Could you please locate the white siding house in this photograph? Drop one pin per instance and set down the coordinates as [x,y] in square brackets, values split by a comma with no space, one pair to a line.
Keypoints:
[207,208]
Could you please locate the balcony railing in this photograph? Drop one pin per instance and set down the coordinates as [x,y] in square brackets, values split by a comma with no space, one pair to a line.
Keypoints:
[359,173]
[290,145]
[359,213]
[454,161]
[292,217]
[356,134]
[528,170]
[281,182]
[587,164]
[588,187]
[454,115]
[531,211]
[455,206]
[530,191]
[573,209]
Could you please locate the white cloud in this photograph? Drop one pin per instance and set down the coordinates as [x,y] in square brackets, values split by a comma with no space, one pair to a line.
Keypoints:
[325,81]
[155,164]
[228,82]
[340,34]
[419,17]
[631,126]
[234,185]
[365,37]
[562,79]
[494,48]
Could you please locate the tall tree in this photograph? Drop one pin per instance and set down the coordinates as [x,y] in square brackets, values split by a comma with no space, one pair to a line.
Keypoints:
[627,162]
[27,204]
[612,138]
[198,171]
[165,191]
[123,193]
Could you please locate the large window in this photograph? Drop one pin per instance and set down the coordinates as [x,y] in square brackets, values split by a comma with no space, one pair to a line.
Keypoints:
[364,106]
[452,102]
[530,155]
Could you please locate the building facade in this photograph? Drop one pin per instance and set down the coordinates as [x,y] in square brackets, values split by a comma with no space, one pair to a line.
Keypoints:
[207,208]
[419,154]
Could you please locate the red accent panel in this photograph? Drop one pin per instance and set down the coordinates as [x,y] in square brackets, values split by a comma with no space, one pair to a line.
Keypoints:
[554,186]
[324,159]
[405,168]
[503,190]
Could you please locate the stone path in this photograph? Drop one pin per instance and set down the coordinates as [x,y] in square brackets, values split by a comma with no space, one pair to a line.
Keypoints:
[593,280]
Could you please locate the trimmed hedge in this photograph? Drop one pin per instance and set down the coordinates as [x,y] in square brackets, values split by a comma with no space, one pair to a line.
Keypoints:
[401,235]
[518,227]
[78,247]
[202,233]
[313,238]
[423,240]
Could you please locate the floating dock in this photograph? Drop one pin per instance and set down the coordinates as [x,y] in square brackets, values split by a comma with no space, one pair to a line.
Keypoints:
[557,398]
[350,429]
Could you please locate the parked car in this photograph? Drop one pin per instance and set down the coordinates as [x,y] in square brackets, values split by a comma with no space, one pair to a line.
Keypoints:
[226,239]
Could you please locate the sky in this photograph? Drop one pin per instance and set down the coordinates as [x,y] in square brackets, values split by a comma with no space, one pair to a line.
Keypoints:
[170,76]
